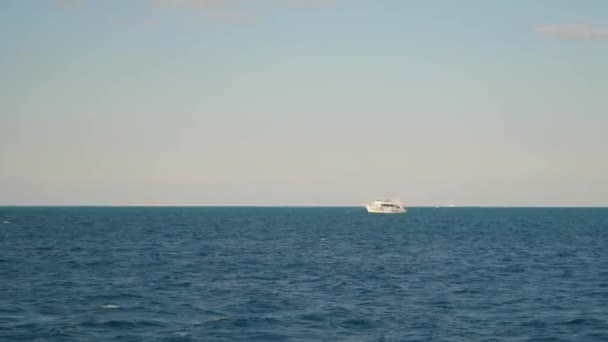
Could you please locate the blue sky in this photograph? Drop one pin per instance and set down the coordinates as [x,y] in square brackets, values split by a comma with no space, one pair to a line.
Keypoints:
[304,102]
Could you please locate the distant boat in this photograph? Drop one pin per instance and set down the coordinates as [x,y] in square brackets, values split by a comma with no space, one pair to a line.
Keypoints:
[385,206]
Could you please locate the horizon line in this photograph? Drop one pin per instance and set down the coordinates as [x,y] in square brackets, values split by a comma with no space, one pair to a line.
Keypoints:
[284,206]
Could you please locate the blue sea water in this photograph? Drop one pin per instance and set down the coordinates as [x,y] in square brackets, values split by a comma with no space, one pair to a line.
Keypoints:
[303,274]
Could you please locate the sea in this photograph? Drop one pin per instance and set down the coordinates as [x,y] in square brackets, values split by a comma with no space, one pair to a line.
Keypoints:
[303,274]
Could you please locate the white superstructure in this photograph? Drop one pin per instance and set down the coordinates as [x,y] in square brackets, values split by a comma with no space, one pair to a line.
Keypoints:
[385,206]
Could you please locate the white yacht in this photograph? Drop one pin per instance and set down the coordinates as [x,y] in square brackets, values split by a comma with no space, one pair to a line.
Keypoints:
[385,206]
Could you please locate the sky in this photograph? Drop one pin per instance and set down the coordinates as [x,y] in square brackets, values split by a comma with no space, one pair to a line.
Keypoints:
[304,102]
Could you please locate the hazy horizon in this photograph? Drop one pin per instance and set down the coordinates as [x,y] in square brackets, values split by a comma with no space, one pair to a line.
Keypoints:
[278,206]
[304,102]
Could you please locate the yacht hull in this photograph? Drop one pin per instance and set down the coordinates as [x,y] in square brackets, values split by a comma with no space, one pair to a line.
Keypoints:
[372,210]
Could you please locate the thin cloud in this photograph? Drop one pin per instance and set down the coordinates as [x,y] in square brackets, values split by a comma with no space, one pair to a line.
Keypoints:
[205,4]
[306,2]
[574,31]
[232,17]
[67,4]
[191,3]
[234,11]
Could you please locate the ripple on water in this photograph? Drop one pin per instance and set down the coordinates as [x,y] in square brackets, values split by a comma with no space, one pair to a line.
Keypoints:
[316,274]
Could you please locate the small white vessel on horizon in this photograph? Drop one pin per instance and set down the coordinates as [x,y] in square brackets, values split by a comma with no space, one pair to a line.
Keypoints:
[386,206]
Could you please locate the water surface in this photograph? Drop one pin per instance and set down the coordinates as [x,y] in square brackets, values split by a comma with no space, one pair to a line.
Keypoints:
[303,274]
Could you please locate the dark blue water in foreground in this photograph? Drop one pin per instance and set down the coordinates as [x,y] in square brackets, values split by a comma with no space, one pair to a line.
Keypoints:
[323,274]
